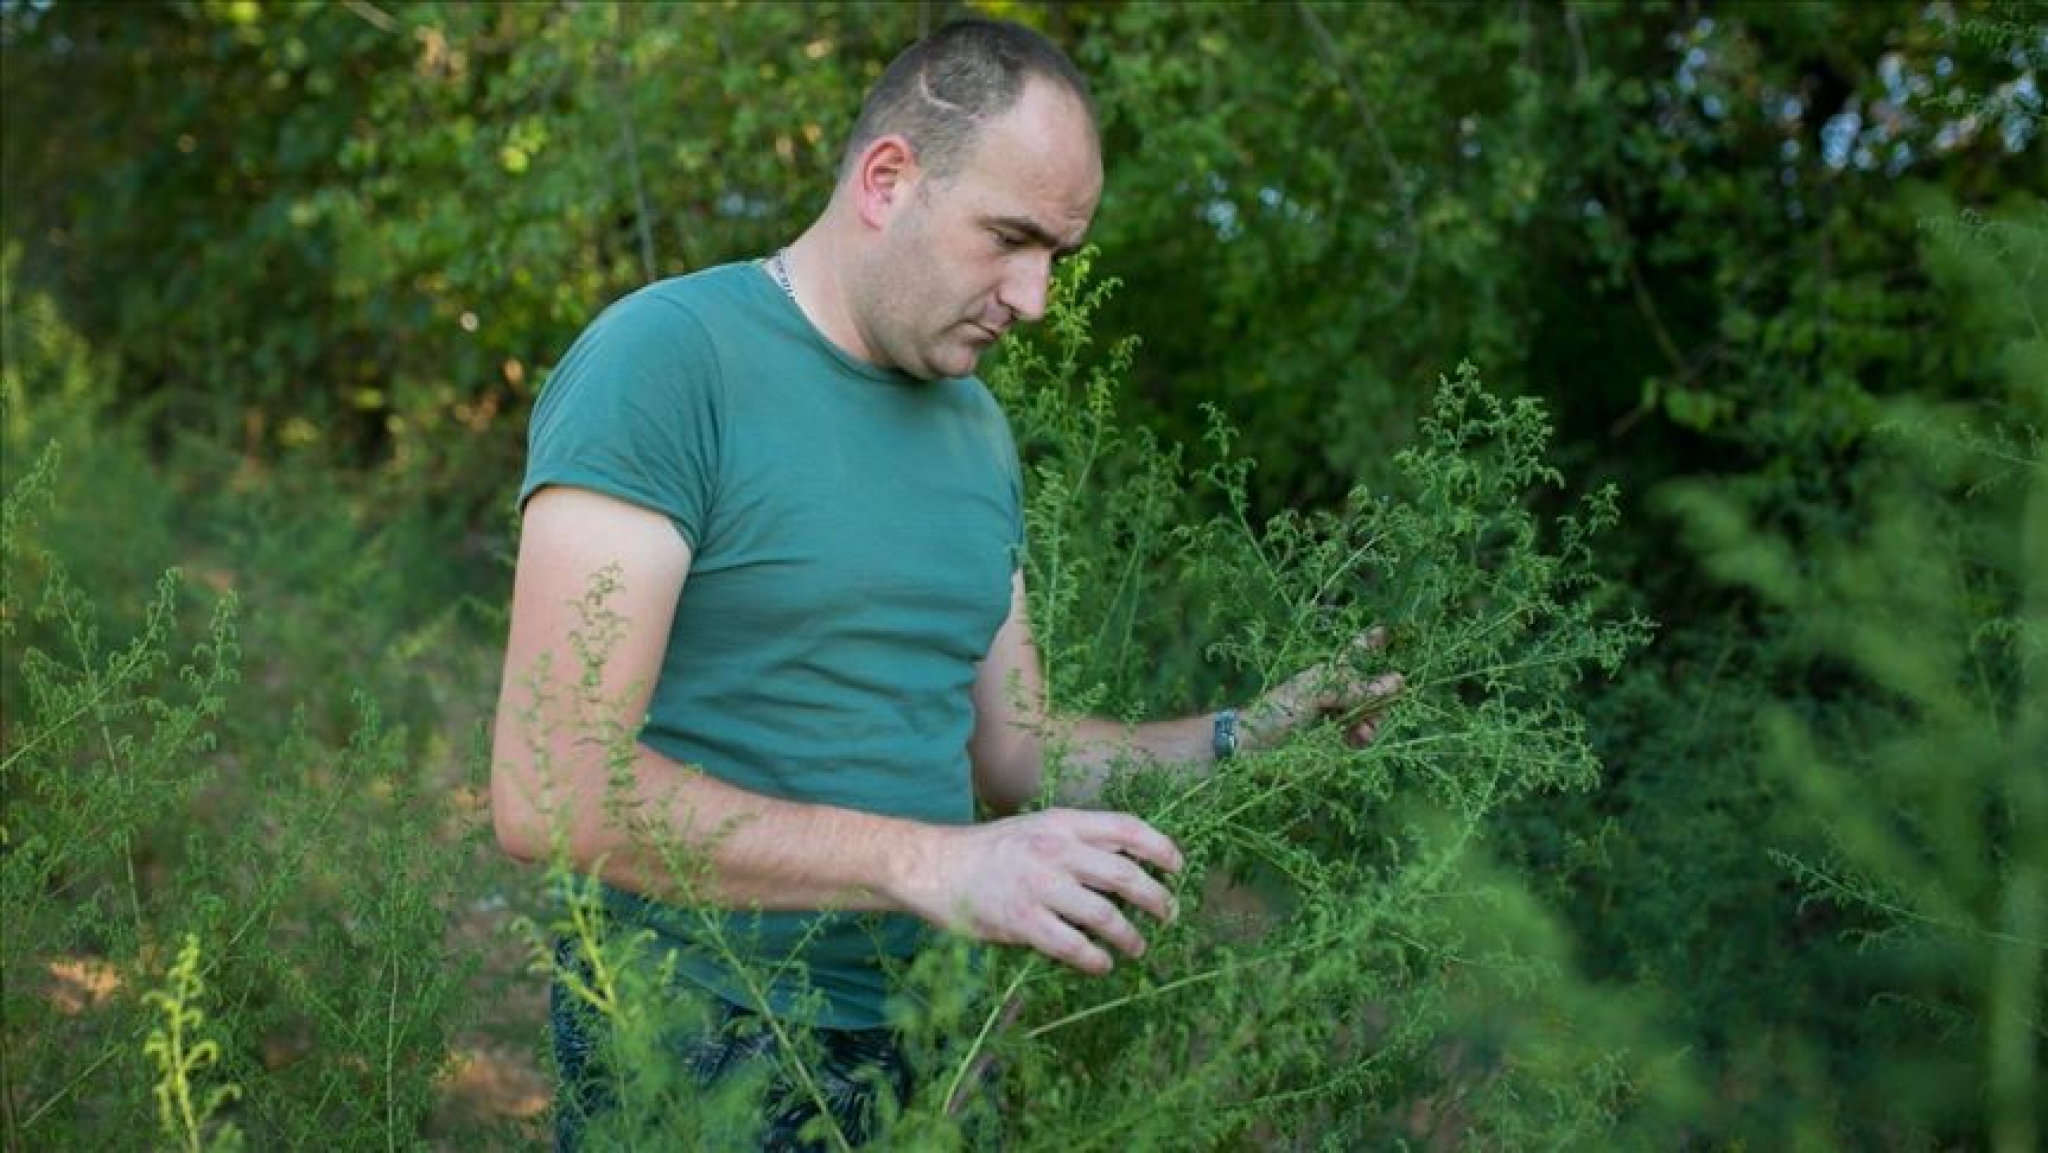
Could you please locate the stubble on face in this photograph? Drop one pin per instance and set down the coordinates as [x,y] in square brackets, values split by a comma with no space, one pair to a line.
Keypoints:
[944,290]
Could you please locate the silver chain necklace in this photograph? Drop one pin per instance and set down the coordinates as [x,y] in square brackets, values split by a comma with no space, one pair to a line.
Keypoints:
[778,271]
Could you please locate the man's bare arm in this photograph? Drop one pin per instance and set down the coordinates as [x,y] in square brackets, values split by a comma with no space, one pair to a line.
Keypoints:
[1043,881]
[1014,727]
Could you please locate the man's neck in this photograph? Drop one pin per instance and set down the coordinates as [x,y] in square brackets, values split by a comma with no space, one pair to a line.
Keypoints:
[813,264]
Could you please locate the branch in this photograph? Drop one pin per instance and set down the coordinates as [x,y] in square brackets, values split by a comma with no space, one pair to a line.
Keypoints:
[642,215]
[1639,290]
[372,15]
[1328,47]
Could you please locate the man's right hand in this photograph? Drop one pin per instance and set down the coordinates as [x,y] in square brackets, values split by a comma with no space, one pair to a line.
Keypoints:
[1046,881]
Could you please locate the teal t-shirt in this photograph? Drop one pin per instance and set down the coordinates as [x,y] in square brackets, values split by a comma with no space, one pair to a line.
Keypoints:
[853,533]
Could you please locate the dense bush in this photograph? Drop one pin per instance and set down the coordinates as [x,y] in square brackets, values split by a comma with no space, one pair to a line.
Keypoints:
[200,753]
[282,282]
[1374,929]
[1921,776]
[1348,965]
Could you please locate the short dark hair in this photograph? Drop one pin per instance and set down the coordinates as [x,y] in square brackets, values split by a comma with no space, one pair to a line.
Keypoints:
[938,92]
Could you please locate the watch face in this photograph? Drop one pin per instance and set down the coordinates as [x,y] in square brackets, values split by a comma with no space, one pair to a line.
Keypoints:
[1224,743]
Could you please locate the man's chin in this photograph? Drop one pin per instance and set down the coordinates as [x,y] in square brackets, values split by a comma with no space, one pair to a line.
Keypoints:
[956,362]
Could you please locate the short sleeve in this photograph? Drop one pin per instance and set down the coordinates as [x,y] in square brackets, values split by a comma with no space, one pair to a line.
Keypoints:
[1013,473]
[633,412]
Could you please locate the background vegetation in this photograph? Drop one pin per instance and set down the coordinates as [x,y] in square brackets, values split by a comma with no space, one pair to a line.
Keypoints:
[281,283]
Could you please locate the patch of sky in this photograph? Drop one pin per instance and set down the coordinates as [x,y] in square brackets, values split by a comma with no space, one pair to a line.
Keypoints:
[745,207]
[1891,71]
[1222,216]
[2017,104]
[2016,130]
[1220,211]
[1838,135]
[1275,201]
[1955,133]
[1689,69]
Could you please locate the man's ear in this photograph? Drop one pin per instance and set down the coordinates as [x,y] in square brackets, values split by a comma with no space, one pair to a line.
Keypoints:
[884,177]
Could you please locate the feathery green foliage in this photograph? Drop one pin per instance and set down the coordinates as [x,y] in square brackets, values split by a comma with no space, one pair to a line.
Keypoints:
[153,792]
[282,281]
[182,1055]
[1924,794]
[1341,924]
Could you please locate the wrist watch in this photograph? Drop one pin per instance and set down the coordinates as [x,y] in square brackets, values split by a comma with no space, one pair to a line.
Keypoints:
[1224,742]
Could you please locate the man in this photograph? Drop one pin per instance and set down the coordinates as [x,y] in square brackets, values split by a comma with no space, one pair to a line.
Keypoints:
[809,517]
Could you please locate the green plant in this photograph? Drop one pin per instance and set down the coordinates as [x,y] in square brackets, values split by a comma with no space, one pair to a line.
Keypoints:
[1913,744]
[1357,859]
[182,1053]
[152,790]
[1349,962]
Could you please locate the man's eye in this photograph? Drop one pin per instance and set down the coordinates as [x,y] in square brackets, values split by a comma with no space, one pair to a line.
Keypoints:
[1008,242]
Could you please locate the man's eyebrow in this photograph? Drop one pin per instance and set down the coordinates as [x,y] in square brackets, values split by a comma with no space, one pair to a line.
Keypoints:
[1037,234]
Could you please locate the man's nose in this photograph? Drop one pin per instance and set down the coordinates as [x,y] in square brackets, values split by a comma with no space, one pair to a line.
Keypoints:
[1027,284]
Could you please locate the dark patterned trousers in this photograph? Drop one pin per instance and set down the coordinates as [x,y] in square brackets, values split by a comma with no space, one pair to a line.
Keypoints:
[852,1066]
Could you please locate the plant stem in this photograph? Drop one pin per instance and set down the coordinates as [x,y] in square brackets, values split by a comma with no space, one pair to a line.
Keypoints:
[391,1060]
[106,686]
[988,1025]
[1114,1003]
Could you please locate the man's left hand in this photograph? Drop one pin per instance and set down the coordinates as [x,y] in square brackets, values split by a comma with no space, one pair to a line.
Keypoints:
[1332,690]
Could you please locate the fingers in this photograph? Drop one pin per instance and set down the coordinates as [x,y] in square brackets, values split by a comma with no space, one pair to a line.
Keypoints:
[1081,864]
[1121,832]
[1116,874]
[1362,733]
[1325,688]
[1354,695]
[1093,913]
[1062,942]
[1382,689]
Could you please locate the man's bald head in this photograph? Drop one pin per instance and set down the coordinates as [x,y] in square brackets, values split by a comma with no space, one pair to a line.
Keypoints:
[939,92]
